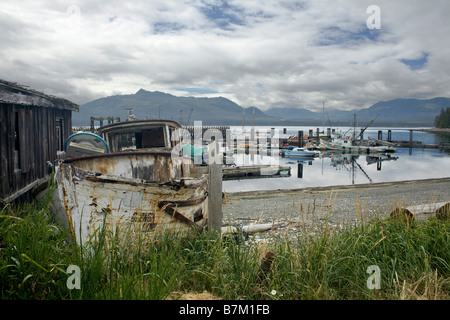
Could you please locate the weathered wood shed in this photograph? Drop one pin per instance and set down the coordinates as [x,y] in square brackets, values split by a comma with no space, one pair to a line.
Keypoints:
[33,128]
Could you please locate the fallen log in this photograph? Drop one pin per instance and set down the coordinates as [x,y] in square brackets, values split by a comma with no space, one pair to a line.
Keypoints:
[439,209]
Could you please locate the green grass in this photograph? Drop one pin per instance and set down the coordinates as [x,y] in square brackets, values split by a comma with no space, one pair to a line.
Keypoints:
[414,262]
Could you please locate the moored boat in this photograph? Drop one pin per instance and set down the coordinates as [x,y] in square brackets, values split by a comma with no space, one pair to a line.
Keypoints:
[351,143]
[299,152]
[340,142]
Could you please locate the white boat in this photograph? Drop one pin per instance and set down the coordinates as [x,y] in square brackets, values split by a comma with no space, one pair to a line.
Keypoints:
[340,142]
[299,152]
[133,187]
[350,143]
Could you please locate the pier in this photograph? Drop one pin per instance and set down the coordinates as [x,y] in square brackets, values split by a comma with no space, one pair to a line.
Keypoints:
[313,137]
[250,172]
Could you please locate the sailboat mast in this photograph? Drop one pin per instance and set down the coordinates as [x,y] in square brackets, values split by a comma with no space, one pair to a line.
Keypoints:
[354,128]
[323,117]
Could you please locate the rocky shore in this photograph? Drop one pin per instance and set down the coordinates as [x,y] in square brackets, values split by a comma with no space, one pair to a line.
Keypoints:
[337,206]
[436,130]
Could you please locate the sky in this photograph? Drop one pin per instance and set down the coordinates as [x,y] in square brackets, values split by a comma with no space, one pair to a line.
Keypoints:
[348,54]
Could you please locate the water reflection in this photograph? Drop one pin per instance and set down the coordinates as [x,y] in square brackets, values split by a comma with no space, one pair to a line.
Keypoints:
[350,162]
[346,169]
[334,169]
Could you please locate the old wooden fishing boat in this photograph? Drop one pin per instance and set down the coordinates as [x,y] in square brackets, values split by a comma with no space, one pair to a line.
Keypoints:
[352,143]
[128,181]
[340,142]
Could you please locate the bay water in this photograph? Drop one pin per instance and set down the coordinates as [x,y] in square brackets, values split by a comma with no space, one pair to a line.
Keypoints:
[336,169]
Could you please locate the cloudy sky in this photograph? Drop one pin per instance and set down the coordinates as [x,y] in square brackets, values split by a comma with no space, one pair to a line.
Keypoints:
[263,53]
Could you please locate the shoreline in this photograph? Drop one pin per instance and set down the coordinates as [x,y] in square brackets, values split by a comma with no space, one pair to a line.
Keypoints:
[278,192]
[335,205]
[435,130]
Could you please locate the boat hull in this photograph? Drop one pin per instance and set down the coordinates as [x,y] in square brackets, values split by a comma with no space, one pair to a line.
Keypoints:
[143,194]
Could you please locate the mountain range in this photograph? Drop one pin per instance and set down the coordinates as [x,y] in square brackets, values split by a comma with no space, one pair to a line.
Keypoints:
[222,111]
[397,112]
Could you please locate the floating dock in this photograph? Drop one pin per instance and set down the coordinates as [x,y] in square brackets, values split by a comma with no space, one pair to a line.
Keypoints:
[261,171]
[248,172]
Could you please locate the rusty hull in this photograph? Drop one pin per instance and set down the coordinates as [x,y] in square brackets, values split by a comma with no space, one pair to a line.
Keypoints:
[141,192]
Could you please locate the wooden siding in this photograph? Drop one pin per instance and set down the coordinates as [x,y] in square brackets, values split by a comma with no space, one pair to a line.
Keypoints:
[28,137]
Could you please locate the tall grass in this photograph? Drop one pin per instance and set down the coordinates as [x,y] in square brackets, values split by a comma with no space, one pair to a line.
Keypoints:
[34,254]
[414,262]
[334,266]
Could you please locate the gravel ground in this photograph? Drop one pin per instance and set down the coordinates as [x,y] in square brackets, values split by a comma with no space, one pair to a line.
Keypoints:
[337,206]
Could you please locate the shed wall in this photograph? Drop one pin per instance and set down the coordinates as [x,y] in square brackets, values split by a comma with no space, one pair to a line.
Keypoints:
[28,139]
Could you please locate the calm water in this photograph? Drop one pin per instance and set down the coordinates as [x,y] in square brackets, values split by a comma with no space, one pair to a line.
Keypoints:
[346,169]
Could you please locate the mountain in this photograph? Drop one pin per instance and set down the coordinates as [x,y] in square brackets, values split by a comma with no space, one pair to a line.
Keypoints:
[412,111]
[222,111]
[159,105]
[397,112]
[292,113]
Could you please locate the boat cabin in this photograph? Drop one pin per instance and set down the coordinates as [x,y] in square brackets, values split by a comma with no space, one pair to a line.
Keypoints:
[142,134]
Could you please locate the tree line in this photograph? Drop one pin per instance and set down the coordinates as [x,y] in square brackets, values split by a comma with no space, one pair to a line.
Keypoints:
[443,119]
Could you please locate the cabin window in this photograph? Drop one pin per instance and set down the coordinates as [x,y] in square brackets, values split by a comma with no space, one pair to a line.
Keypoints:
[152,138]
[125,141]
[149,138]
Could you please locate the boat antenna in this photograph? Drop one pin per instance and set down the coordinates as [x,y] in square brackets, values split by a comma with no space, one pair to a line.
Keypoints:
[253,120]
[329,121]
[189,118]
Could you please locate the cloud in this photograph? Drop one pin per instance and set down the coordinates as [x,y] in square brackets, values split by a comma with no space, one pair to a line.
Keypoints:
[257,53]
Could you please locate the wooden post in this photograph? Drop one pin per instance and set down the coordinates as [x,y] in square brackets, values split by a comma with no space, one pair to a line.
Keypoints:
[252,145]
[300,170]
[215,196]
[300,139]
[410,141]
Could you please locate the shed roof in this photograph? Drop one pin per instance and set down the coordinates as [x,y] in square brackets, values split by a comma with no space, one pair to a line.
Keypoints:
[11,92]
